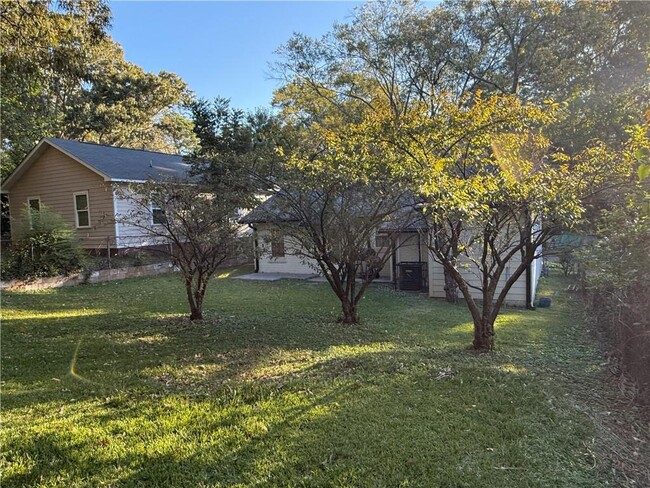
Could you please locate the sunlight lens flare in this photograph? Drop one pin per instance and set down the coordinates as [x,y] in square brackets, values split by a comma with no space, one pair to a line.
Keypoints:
[73,365]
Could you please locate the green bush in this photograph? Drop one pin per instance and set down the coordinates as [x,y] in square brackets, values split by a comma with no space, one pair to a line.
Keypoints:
[616,278]
[47,247]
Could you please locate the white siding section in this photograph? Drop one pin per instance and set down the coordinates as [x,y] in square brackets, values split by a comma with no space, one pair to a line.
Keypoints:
[516,295]
[128,234]
[536,266]
[407,248]
[536,272]
[290,263]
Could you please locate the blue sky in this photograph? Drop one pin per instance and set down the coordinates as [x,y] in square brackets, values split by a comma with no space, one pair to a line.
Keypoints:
[219,48]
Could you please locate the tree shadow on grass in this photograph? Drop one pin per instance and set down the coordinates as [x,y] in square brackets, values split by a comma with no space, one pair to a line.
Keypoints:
[263,400]
[377,419]
[117,352]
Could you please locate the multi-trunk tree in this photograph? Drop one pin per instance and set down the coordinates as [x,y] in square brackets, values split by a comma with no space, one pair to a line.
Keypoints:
[184,220]
[454,103]
[346,232]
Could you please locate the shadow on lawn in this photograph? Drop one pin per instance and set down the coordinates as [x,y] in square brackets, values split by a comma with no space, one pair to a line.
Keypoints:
[115,352]
[55,457]
[360,426]
[119,352]
[331,410]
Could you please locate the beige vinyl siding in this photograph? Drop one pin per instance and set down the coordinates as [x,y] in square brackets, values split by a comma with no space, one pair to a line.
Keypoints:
[290,263]
[516,295]
[54,178]
[387,271]
[407,248]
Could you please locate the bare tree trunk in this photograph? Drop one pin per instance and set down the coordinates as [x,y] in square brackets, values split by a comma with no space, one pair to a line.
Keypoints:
[483,335]
[451,288]
[350,313]
[195,301]
[196,313]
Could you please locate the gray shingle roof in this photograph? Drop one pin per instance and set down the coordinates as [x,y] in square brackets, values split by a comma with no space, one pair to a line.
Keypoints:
[268,211]
[120,163]
[274,211]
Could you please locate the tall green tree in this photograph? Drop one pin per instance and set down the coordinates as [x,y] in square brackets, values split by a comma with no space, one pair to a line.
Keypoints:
[591,56]
[453,99]
[234,148]
[63,76]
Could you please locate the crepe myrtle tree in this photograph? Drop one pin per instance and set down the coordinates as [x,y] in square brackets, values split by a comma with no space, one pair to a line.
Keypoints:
[335,189]
[487,246]
[196,228]
[488,226]
[347,230]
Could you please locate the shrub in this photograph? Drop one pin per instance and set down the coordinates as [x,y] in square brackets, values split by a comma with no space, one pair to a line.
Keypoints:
[617,286]
[47,247]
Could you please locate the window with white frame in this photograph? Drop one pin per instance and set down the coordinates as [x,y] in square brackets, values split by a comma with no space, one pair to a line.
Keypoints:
[158,216]
[81,209]
[33,207]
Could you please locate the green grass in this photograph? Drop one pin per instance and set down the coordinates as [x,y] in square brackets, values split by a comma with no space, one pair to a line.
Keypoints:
[108,385]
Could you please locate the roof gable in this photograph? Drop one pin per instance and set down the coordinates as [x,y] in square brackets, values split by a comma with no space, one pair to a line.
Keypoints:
[111,163]
[121,163]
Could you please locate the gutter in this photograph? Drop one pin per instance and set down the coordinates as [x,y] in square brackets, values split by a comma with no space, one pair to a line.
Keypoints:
[394,264]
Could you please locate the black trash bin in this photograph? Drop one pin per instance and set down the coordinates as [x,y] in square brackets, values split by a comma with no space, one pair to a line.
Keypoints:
[410,276]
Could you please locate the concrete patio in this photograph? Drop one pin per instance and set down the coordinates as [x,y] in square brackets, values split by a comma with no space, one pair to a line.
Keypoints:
[312,278]
[275,276]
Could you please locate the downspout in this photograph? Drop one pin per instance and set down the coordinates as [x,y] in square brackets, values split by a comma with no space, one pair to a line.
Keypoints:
[394,263]
[529,274]
[529,288]
[255,248]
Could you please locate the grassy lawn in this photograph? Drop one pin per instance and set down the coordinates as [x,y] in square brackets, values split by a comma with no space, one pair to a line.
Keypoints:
[108,385]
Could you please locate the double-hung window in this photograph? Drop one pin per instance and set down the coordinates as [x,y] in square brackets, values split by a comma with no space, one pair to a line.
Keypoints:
[158,216]
[277,246]
[81,210]
[382,241]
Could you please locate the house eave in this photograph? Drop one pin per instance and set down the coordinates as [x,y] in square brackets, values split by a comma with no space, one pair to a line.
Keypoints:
[33,155]
[123,180]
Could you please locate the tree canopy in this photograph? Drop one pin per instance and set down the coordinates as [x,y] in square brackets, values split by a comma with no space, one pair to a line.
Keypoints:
[466,104]
[63,76]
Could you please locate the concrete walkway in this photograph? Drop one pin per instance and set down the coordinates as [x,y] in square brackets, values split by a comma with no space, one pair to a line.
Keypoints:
[274,276]
[312,278]
[321,279]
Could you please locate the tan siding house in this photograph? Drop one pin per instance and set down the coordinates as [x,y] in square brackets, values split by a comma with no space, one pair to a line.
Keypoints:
[78,180]
[55,179]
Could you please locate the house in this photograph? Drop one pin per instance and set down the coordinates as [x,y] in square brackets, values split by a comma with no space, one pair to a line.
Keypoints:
[410,267]
[85,183]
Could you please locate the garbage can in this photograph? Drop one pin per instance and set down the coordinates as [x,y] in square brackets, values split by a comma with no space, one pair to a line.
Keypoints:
[410,276]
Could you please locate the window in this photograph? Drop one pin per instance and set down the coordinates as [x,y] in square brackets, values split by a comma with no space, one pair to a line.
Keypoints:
[381,241]
[277,246]
[82,212]
[157,214]
[34,206]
